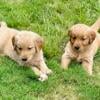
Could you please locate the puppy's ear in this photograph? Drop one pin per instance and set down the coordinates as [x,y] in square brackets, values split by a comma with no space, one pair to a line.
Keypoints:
[70,32]
[92,36]
[39,43]
[71,35]
[13,42]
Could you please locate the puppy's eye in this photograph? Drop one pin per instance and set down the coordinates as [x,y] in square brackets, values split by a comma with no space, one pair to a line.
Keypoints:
[83,39]
[73,38]
[20,48]
[29,48]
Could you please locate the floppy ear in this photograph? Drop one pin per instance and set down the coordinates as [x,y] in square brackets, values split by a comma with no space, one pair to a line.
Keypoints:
[70,35]
[92,36]
[13,42]
[39,43]
[70,32]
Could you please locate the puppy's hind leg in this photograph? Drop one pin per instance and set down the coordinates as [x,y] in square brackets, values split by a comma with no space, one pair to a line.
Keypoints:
[96,25]
[65,61]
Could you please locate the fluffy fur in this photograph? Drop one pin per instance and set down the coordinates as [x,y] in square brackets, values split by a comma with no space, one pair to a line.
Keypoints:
[25,47]
[83,45]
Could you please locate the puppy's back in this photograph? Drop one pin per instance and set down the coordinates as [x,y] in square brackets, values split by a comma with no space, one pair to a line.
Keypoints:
[6,35]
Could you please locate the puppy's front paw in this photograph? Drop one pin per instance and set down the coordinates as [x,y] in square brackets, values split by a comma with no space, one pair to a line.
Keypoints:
[43,77]
[49,71]
[90,73]
[64,67]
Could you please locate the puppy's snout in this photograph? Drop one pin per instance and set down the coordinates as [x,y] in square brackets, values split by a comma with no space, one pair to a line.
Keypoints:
[24,59]
[77,47]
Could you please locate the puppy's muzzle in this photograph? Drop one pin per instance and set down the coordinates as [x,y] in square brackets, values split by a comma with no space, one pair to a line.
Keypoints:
[24,59]
[77,47]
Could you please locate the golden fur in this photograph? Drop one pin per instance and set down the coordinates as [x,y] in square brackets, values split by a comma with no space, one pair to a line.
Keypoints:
[25,47]
[83,45]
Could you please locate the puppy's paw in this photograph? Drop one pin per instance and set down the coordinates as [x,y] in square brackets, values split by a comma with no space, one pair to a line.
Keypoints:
[43,77]
[49,71]
[64,67]
[90,73]
[3,24]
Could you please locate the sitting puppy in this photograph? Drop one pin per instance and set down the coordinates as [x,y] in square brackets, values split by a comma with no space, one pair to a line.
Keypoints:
[25,47]
[83,45]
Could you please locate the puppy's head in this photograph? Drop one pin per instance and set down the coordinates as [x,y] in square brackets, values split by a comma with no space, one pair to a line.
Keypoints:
[27,44]
[81,36]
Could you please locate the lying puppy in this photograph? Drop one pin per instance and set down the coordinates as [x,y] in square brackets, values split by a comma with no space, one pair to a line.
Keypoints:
[25,47]
[83,45]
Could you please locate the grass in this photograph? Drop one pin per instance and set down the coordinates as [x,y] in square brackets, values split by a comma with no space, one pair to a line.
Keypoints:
[51,19]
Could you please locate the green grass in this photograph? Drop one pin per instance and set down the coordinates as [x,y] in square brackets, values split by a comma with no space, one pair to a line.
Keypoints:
[51,19]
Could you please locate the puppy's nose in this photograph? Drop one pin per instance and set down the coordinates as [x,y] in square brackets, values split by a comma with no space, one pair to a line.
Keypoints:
[24,59]
[77,47]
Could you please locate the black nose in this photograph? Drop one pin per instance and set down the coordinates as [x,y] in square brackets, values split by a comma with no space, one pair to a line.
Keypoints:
[77,47]
[24,59]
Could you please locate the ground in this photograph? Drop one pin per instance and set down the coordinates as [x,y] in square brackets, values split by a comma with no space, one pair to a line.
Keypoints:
[51,19]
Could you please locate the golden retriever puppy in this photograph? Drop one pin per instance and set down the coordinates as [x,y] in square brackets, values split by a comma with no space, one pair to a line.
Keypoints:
[25,47]
[83,45]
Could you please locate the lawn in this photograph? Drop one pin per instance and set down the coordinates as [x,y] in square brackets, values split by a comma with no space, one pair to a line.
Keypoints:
[51,19]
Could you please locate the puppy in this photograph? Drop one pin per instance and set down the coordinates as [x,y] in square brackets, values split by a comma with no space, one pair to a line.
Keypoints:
[25,47]
[83,45]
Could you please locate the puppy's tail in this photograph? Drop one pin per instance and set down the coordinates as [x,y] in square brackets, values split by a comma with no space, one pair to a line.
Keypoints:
[3,24]
[96,25]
